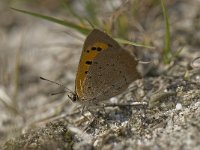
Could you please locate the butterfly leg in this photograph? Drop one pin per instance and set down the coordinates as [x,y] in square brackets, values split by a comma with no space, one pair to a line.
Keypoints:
[82,112]
[93,113]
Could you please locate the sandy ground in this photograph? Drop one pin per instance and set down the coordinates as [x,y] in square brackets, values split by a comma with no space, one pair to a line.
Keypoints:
[32,119]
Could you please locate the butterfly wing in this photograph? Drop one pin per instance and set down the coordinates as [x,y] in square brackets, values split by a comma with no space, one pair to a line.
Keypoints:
[109,72]
[95,43]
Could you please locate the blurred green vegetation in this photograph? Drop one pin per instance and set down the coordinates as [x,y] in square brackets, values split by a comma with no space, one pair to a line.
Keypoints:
[116,20]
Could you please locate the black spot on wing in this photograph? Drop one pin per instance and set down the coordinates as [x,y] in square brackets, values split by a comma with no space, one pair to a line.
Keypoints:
[96,49]
[93,48]
[88,62]
[99,48]
[110,45]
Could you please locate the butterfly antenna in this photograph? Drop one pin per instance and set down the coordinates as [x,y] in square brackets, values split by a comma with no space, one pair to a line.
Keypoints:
[61,85]
[58,93]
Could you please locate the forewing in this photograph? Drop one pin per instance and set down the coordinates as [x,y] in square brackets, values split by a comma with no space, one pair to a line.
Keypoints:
[96,43]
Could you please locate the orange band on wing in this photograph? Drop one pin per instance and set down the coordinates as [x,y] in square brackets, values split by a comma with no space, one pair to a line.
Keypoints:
[86,60]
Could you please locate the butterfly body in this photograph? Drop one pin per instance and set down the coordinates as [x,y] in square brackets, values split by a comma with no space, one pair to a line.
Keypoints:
[105,69]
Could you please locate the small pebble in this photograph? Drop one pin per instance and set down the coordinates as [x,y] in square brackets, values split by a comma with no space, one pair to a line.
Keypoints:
[179,106]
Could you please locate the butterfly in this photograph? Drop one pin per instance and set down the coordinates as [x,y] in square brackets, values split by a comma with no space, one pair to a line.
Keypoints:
[104,71]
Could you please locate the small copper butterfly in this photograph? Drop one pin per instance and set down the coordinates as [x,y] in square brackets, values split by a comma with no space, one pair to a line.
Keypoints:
[105,69]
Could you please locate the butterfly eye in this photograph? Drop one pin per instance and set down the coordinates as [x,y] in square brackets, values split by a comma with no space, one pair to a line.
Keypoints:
[73,97]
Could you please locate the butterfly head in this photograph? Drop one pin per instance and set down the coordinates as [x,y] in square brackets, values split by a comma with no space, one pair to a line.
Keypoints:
[73,96]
